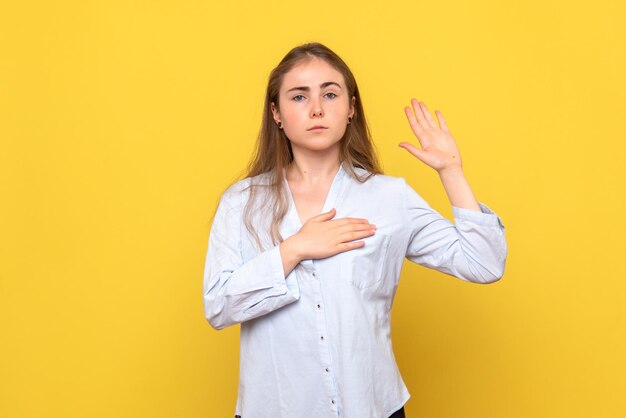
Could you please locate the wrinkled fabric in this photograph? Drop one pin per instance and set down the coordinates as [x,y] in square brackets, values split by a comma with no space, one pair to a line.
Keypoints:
[317,342]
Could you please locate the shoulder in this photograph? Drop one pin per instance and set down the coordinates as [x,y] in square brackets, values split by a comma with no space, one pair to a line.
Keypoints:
[380,183]
[240,190]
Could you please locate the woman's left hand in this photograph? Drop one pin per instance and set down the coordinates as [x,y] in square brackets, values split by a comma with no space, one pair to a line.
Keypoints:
[439,149]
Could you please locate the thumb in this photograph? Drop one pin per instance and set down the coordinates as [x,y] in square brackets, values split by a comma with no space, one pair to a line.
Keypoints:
[420,154]
[326,215]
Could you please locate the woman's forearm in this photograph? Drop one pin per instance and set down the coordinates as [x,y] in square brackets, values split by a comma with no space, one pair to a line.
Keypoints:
[289,255]
[458,189]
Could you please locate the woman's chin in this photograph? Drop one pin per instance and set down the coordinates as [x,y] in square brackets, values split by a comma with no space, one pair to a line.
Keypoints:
[316,146]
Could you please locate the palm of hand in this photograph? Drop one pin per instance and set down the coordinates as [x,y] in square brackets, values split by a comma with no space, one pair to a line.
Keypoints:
[439,149]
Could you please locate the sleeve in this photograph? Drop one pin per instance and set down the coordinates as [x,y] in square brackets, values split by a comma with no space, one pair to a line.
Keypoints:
[235,291]
[473,249]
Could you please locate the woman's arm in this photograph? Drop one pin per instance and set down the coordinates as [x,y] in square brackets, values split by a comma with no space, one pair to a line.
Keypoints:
[458,189]
[235,291]
[474,248]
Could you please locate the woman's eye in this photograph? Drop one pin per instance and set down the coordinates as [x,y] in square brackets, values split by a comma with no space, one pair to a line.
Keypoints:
[295,98]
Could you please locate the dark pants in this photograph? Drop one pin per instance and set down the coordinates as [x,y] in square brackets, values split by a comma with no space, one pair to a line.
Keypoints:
[398,414]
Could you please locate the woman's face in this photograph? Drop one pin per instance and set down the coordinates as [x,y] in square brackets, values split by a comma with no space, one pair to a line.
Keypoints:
[314,93]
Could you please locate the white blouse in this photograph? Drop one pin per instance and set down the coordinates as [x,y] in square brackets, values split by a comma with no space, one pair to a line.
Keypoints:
[317,343]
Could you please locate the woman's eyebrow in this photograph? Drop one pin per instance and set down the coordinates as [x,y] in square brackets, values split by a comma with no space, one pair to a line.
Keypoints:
[306,88]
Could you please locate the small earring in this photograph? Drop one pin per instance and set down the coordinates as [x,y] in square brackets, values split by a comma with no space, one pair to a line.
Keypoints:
[280,125]
[349,120]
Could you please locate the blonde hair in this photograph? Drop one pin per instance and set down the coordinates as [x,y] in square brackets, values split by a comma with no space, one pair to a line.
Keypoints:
[273,149]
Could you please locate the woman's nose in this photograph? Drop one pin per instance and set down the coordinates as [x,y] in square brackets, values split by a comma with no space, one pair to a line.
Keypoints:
[316,108]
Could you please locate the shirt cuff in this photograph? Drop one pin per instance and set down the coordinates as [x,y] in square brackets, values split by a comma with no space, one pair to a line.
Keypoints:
[486,216]
[265,271]
[291,281]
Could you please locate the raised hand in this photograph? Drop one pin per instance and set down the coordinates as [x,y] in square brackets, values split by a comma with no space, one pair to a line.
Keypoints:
[439,150]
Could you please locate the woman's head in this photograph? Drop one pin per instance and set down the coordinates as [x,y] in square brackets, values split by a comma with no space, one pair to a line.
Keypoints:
[313,93]
[337,107]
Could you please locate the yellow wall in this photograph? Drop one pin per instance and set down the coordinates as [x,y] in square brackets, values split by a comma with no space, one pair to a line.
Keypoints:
[121,121]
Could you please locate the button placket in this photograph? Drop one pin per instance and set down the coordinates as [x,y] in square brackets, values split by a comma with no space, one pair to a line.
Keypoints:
[323,341]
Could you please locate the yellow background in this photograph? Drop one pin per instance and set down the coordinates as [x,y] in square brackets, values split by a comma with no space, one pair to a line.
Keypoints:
[122,121]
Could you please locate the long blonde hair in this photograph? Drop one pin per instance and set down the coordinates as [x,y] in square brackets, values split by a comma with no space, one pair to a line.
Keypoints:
[273,149]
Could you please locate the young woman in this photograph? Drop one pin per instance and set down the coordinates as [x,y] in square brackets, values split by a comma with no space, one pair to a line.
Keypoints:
[306,251]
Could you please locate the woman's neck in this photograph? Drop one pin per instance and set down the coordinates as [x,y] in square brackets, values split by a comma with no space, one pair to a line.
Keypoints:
[312,171]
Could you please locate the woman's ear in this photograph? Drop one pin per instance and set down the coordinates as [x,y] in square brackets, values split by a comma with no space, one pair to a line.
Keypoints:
[352,107]
[275,112]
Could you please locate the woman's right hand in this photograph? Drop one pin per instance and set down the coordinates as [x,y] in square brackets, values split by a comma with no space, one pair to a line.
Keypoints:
[321,236]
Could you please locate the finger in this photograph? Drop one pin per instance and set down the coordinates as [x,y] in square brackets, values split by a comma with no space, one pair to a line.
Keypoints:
[428,116]
[346,246]
[442,122]
[415,126]
[349,226]
[351,236]
[357,228]
[419,114]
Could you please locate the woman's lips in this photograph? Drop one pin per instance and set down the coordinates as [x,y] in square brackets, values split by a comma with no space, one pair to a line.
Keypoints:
[317,129]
